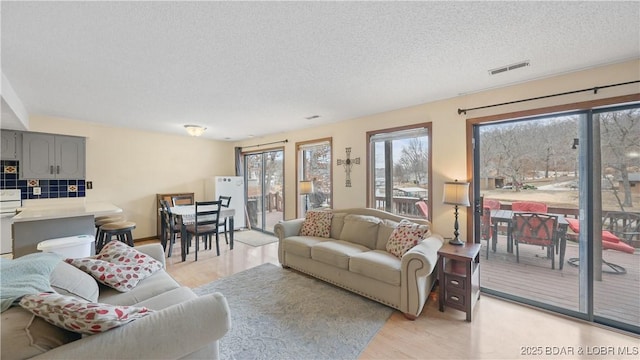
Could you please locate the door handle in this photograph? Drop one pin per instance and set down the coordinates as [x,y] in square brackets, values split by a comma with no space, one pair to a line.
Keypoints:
[51,169]
[58,169]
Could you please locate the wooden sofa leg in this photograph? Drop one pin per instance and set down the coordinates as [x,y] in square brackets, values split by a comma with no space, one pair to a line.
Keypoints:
[410,316]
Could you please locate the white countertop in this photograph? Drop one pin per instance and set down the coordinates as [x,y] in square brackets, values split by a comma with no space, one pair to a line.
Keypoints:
[59,211]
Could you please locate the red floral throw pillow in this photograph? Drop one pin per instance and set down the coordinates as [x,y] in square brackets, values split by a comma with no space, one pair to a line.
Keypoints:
[78,315]
[317,223]
[405,236]
[118,265]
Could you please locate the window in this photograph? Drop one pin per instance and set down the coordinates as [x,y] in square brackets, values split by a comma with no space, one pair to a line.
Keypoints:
[314,167]
[400,168]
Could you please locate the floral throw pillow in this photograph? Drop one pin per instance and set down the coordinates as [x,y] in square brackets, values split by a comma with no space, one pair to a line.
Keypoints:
[118,265]
[405,236]
[78,315]
[317,223]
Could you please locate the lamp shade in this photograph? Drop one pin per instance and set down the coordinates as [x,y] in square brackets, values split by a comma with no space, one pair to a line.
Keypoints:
[456,193]
[306,187]
[195,130]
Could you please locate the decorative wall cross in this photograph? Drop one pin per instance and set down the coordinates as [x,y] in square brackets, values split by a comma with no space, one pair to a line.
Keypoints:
[347,165]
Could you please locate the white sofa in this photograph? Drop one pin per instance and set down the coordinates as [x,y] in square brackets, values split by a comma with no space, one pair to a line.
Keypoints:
[354,257]
[183,326]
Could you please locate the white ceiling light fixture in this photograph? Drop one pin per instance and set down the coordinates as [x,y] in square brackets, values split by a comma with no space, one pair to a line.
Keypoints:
[195,130]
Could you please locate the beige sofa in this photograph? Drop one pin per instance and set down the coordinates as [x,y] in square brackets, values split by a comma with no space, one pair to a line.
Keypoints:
[184,326]
[355,258]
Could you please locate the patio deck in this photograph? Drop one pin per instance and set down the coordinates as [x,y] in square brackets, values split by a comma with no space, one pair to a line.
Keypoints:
[615,297]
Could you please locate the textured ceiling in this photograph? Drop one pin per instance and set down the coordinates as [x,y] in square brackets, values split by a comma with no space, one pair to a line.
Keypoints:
[252,68]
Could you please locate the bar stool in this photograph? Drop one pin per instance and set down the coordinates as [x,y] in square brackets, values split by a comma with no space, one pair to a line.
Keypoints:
[101,220]
[122,230]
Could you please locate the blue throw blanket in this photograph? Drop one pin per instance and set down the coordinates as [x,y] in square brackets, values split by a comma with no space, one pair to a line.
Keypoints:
[26,275]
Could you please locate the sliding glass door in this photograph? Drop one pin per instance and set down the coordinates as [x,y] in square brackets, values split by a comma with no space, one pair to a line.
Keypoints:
[557,209]
[264,189]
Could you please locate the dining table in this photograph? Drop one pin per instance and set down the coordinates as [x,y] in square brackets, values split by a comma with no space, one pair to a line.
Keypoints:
[186,214]
[502,216]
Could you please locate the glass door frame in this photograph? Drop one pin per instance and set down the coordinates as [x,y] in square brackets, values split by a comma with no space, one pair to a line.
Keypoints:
[588,184]
[262,211]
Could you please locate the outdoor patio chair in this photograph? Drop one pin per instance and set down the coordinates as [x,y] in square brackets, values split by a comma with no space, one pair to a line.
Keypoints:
[609,242]
[423,209]
[535,229]
[486,228]
[486,224]
[625,225]
[529,206]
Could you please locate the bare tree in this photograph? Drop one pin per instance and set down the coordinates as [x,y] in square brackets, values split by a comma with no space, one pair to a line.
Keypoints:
[620,138]
[413,160]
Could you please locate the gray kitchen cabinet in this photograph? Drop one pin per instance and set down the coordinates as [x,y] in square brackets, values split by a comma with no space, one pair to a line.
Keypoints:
[48,156]
[10,145]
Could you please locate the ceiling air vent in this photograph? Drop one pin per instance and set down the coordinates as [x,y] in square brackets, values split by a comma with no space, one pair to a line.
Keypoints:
[509,67]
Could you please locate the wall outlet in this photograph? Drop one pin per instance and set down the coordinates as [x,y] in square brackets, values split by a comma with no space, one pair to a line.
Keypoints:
[37,190]
[89,185]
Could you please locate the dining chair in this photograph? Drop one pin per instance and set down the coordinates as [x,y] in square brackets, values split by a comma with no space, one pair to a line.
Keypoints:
[182,200]
[529,206]
[171,229]
[205,225]
[535,229]
[225,201]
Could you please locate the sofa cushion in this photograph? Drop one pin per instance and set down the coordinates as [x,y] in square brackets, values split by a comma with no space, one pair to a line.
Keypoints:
[317,223]
[66,279]
[337,223]
[25,335]
[169,298]
[406,236]
[336,253]
[360,229]
[81,316]
[118,265]
[301,245]
[155,284]
[385,229]
[377,264]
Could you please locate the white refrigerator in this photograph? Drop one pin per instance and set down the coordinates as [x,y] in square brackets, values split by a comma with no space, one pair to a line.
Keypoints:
[228,186]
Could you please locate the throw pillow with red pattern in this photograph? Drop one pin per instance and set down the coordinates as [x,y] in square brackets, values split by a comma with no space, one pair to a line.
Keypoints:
[317,223]
[405,236]
[79,315]
[118,265]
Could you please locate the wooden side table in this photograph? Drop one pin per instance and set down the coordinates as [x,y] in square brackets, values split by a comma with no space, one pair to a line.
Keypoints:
[459,276]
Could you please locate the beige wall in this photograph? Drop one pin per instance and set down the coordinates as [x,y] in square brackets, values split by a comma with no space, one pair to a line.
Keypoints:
[128,167]
[449,133]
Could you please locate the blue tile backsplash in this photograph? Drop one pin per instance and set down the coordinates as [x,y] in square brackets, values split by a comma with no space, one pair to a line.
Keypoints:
[49,189]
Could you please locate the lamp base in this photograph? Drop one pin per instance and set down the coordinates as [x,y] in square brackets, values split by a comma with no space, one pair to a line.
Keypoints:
[456,242]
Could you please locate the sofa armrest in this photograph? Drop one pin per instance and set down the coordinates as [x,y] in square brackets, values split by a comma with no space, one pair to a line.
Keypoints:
[155,251]
[171,333]
[287,228]
[417,265]
[283,230]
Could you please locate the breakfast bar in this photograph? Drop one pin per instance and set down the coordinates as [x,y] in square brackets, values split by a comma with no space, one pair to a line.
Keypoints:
[35,224]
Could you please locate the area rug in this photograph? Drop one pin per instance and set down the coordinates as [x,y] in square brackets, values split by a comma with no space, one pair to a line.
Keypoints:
[253,238]
[281,314]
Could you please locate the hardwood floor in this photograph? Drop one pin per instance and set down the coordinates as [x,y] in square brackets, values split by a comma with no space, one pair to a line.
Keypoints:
[500,329]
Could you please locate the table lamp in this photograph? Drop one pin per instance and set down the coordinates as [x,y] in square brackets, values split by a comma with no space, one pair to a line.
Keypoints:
[456,193]
[306,188]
